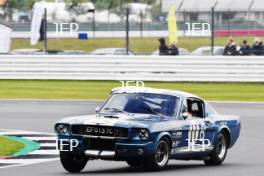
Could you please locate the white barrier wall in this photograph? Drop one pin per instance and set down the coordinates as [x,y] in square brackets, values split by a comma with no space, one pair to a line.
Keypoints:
[144,68]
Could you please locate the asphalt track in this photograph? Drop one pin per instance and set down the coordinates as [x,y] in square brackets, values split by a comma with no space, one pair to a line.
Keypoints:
[245,158]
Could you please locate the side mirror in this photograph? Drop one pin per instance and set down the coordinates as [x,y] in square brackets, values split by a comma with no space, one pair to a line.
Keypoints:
[97,109]
[208,121]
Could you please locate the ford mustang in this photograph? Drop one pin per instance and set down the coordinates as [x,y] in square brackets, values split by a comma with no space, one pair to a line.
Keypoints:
[146,127]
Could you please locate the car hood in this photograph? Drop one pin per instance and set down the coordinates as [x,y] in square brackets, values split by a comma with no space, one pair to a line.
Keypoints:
[118,120]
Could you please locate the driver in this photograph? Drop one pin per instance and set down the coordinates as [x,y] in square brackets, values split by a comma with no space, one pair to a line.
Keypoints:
[185,114]
[2,2]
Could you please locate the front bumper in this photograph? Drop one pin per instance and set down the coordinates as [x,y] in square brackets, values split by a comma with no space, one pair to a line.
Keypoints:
[131,150]
[121,150]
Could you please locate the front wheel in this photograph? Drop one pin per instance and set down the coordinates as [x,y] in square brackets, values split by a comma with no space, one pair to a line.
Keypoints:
[71,163]
[160,158]
[219,153]
[134,162]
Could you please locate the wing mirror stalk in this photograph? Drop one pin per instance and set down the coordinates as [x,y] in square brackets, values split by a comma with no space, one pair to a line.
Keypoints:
[97,109]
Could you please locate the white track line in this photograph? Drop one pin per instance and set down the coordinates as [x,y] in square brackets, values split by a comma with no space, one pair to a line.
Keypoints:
[19,133]
[44,152]
[237,102]
[42,138]
[11,131]
[22,161]
[34,161]
[48,145]
[15,162]
[73,100]
[96,100]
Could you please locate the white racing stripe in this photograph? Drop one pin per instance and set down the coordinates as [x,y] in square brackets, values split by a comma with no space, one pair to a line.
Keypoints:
[186,149]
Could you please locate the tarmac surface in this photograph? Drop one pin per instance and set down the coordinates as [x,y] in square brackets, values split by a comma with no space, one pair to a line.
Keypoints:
[245,158]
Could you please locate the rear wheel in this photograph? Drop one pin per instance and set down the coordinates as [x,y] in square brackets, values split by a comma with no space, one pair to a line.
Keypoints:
[219,153]
[160,158]
[72,163]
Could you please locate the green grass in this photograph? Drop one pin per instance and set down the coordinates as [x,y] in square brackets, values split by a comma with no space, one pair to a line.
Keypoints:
[14,89]
[9,147]
[138,45]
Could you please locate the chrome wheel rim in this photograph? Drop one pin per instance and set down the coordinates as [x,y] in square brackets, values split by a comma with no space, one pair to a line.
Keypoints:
[221,147]
[162,154]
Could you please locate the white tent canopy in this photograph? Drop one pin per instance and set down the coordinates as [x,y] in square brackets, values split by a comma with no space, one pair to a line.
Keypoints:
[5,40]
[233,5]
[58,10]
[136,9]
[257,6]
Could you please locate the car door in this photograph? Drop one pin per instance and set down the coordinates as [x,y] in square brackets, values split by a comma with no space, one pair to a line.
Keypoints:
[196,130]
[211,127]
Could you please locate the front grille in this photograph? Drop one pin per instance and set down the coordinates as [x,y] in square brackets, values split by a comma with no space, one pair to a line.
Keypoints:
[100,131]
[99,144]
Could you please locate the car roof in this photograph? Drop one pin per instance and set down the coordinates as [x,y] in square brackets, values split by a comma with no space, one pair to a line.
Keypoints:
[133,89]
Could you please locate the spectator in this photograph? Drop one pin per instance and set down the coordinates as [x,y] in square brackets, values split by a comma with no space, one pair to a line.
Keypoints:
[257,48]
[245,49]
[230,49]
[173,50]
[163,48]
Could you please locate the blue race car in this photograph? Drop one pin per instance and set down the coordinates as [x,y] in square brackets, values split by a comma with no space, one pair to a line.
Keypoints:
[147,127]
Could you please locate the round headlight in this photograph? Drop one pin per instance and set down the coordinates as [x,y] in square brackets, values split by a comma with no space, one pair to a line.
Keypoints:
[144,134]
[61,129]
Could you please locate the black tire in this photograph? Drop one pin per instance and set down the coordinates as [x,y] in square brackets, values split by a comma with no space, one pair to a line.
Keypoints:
[71,163]
[160,157]
[134,162]
[219,153]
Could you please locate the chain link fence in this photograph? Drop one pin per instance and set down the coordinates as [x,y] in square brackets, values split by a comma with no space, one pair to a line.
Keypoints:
[145,27]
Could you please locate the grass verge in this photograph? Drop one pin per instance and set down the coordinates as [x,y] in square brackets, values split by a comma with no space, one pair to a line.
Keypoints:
[31,89]
[138,45]
[9,147]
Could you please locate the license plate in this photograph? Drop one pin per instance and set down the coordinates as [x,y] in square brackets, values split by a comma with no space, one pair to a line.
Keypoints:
[99,131]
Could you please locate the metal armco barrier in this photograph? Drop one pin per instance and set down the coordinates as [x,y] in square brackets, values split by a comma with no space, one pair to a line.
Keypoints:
[144,68]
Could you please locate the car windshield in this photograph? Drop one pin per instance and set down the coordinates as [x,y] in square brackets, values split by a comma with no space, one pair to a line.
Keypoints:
[142,103]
